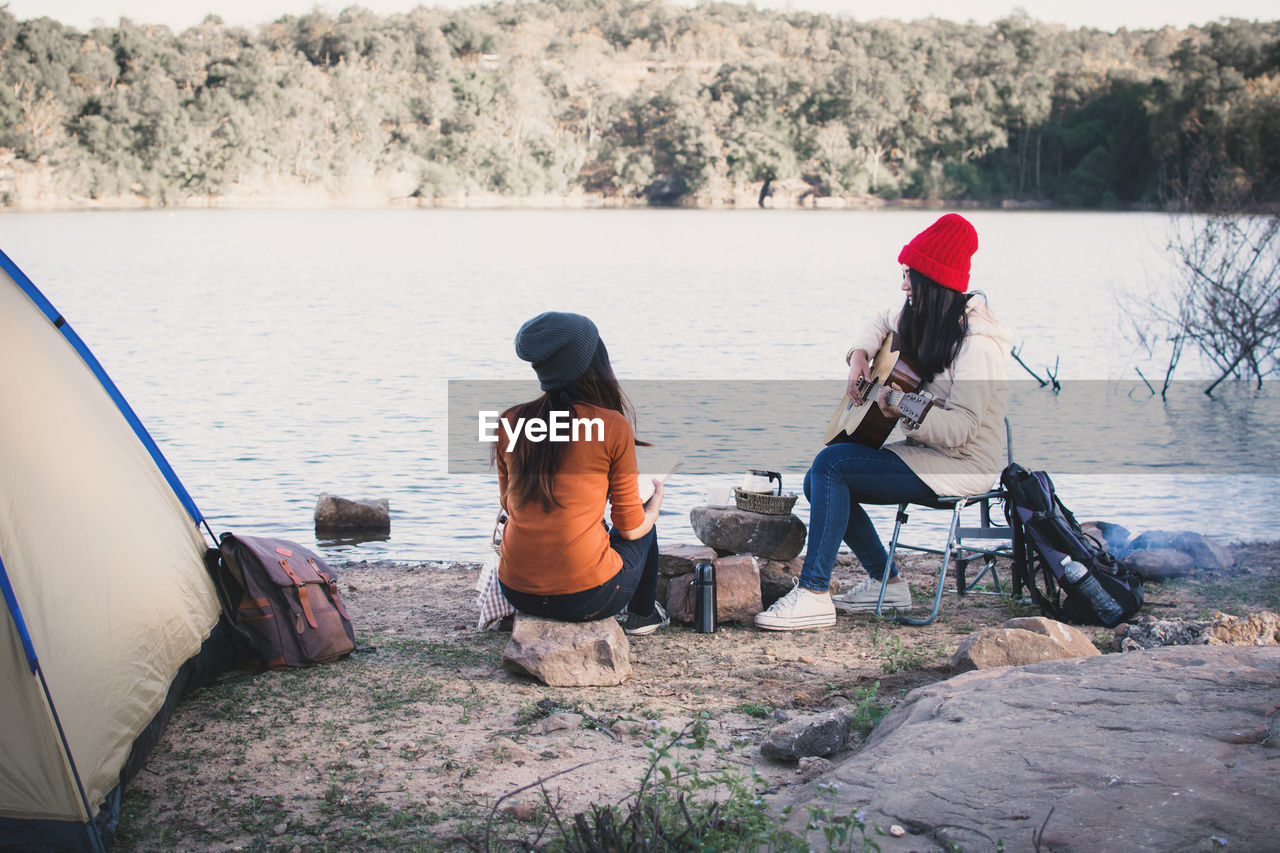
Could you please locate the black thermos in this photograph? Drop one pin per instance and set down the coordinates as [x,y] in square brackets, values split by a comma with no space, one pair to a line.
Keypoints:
[704,597]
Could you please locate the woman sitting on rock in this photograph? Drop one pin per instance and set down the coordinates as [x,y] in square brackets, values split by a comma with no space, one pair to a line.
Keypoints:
[559,559]
[958,349]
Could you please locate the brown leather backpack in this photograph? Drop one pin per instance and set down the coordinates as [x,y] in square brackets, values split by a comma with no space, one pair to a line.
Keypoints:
[281,601]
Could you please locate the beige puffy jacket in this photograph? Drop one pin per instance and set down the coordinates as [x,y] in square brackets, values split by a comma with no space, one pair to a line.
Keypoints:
[959,449]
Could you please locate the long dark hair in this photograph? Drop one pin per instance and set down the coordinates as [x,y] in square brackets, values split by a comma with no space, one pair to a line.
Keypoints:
[933,325]
[533,465]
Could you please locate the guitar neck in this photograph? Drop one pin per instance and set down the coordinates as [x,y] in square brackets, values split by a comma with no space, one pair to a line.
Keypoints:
[913,406]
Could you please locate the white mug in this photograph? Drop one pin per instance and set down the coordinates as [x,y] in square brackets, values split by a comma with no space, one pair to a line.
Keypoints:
[719,495]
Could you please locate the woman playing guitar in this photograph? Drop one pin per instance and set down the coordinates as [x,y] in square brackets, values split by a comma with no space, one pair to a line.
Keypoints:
[957,348]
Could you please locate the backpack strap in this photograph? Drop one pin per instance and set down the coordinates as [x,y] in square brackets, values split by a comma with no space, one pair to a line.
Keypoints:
[333,588]
[301,587]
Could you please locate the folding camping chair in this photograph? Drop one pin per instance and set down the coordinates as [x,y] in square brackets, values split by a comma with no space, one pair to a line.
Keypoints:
[984,542]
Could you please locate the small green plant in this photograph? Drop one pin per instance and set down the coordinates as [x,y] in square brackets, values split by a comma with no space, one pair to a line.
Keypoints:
[897,657]
[868,708]
[758,710]
[679,806]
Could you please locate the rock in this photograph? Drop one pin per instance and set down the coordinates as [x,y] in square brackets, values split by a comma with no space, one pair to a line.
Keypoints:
[682,559]
[556,723]
[775,537]
[1074,642]
[777,578]
[1147,632]
[680,598]
[812,767]
[1112,536]
[820,734]
[1151,751]
[335,513]
[737,591]
[569,654]
[1020,642]
[679,560]
[629,728]
[1157,564]
[279,829]
[1206,553]
[1256,629]
[897,831]
[521,811]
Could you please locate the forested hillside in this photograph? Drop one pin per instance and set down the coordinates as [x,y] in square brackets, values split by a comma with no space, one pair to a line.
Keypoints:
[631,101]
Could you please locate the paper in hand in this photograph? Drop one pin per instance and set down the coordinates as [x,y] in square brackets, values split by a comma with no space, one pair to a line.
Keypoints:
[645,481]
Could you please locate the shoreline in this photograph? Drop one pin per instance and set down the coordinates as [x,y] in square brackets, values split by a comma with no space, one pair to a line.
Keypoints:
[429,743]
[744,198]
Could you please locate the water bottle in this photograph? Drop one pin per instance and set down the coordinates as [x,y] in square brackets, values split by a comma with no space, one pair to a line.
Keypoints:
[1087,585]
[704,598]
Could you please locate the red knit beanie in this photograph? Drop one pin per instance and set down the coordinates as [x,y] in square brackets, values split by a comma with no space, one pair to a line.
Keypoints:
[942,251]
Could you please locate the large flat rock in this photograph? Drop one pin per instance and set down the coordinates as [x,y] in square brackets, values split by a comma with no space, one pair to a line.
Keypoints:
[1156,750]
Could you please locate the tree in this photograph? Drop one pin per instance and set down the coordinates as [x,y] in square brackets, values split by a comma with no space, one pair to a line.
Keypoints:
[1226,299]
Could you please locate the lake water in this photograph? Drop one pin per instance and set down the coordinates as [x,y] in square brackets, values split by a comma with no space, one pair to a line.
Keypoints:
[275,355]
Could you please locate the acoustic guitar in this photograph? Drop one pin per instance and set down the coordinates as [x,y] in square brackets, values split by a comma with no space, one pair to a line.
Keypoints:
[868,424]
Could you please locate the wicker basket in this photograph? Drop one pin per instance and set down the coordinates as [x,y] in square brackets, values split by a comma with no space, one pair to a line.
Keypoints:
[764,502]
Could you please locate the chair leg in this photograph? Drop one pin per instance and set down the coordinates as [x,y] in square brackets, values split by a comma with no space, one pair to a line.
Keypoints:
[942,574]
[899,520]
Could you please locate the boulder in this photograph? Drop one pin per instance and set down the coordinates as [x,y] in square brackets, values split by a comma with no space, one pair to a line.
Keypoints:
[1148,751]
[335,513]
[737,591]
[1158,564]
[676,560]
[1112,536]
[777,578]
[737,531]
[1074,642]
[819,734]
[1020,642]
[1206,553]
[681,559]
[569,654]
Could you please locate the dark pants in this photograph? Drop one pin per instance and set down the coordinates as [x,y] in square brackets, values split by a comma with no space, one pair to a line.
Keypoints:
[843,477]
[634,587]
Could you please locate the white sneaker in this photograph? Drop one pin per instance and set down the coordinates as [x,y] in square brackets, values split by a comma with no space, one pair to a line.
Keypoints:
[799,609]
[862,598]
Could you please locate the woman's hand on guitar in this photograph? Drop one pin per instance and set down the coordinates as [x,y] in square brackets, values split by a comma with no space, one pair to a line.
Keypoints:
[882,400]
[859,367]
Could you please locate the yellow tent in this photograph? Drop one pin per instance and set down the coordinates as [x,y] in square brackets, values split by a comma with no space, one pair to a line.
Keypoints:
[108,603]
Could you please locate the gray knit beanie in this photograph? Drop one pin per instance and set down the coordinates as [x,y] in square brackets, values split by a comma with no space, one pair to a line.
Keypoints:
[560,346]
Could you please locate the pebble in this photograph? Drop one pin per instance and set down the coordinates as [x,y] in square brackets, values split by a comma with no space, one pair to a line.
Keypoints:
[279,829]
[897,831]
[781,715]
[556,723]
[521,811]
[383,745]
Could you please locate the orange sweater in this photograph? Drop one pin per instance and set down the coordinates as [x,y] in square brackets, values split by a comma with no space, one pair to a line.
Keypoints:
[567,549]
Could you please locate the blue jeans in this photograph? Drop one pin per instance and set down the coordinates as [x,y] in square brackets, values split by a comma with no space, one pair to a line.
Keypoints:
[841,478]
[634,587]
